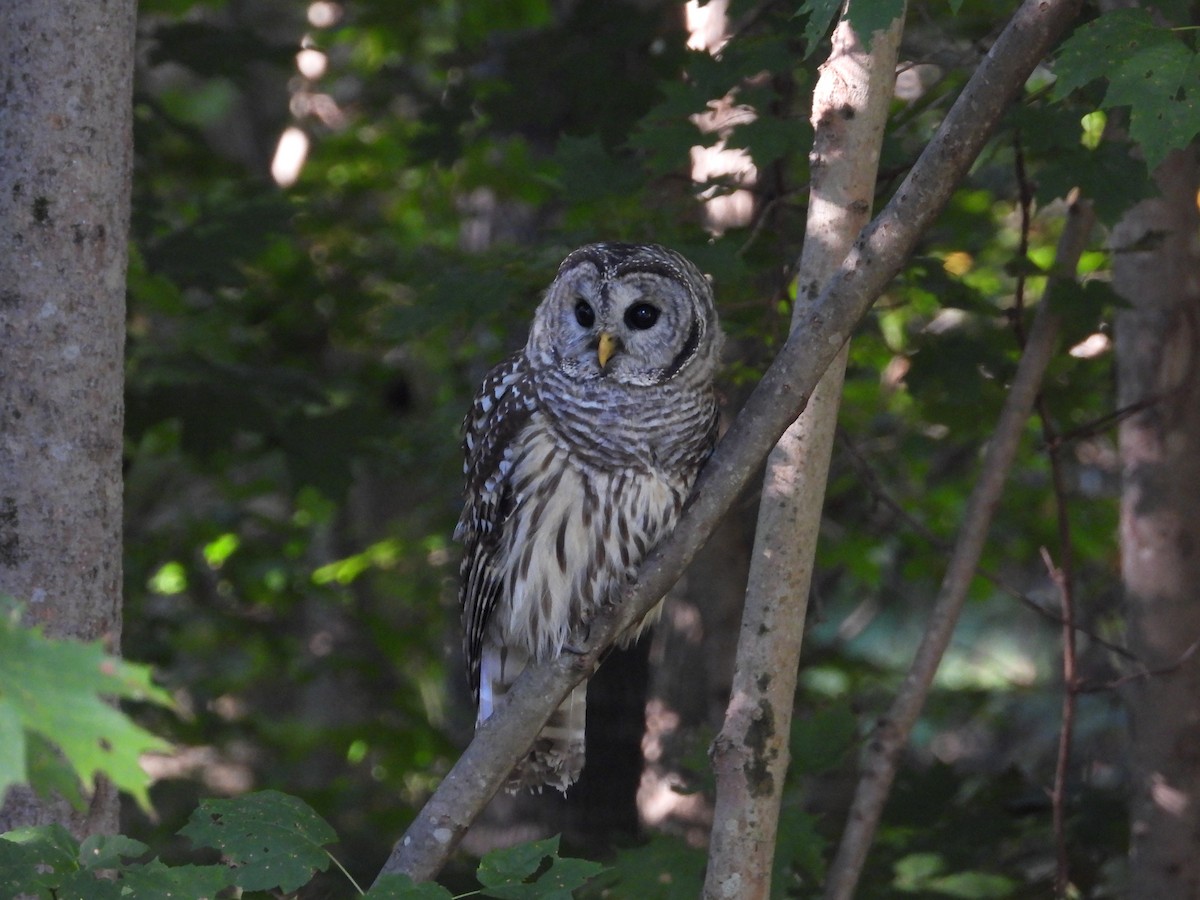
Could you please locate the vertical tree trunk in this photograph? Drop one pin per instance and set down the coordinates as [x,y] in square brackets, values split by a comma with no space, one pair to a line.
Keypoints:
[1157,270]
[750,755]
[66,150]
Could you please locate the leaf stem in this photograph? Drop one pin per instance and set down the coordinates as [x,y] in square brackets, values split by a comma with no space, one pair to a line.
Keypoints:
[343,870]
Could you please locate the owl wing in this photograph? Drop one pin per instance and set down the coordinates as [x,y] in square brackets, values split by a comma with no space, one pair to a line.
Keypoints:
[502,408]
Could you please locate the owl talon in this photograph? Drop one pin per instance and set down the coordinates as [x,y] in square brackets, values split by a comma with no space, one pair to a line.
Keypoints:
[574,643]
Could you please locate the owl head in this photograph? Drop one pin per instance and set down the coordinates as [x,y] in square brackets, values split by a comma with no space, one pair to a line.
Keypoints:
[632,314]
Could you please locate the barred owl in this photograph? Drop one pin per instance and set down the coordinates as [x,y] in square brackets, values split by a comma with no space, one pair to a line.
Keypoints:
[580,450]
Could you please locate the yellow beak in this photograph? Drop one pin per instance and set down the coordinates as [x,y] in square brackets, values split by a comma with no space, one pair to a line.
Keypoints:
[606,348]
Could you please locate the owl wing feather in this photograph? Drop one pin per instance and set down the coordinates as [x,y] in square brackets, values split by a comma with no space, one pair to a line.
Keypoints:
[502,408]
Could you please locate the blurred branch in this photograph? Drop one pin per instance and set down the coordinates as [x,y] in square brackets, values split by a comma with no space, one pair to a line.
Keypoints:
[1108,421]
[892,731]
[750,755]
[782,393]
[870,480]
[1061,576]
[1116,683]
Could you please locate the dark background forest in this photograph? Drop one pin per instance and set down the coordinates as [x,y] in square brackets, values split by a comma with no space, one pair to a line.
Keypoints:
[343,215]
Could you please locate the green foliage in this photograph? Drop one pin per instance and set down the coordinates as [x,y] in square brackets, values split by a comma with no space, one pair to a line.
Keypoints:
[270,839]
[1106,173]
[870,18]
[663,868]
[1148,69]
[269,842]
[924,874]
[520,871]
[47,862]
[63,692]
[800,851]
[819,16]
[401,887]
[820,742]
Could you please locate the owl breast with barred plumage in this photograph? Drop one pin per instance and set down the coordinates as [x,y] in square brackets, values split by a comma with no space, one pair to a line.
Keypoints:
[580,452]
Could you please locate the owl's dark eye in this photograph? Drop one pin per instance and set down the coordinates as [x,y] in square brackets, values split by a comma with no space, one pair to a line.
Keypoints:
[584,314]
[641,316]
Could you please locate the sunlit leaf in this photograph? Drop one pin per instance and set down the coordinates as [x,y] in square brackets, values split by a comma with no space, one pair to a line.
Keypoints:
[63,691]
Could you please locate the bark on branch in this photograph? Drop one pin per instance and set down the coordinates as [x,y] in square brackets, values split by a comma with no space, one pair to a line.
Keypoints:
[876,257]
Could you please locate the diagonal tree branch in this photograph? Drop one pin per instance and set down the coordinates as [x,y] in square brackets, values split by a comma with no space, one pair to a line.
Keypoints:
[891,733]
[876,257]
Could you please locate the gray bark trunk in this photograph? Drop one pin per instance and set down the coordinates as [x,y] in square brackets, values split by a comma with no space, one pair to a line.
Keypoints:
[66,152]
[1157,270]
[750,755]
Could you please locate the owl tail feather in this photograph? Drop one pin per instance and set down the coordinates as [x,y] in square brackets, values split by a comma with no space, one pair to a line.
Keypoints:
[556,758]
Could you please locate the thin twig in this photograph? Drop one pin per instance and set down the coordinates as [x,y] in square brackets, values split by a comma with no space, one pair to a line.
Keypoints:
[763,216]
[1109,421]
[1017,313]
[1058,793]
[1117,683]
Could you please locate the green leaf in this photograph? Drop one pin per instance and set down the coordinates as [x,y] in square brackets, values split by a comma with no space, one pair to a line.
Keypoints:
[974,886]
[665,868]
[514,864]
[36,858]
[820,15]
[61,690]
[86,885]
[820,742]
[1109,175]
[799,847]
[768,139]
[1147,68]
[1089,52]
[588,172]
[508,873]
[872,16]
[563,877]
[49,772]
[1161,87]
[921,873]
[12,746]
[108,851]
[272,840]
[156,879]
[401,887]
[915,870]
[481,21]
[20,871]
[1082,307]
